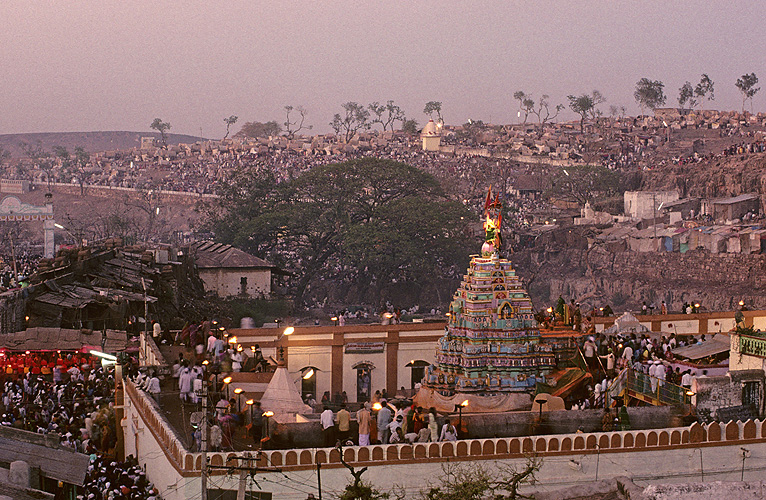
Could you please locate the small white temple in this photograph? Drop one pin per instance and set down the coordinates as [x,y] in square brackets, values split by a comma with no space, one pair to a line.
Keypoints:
[282,396]
[431,136]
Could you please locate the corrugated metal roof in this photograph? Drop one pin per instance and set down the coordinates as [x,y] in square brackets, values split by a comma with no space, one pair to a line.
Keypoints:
[209,254]
[718,344]
[735,199]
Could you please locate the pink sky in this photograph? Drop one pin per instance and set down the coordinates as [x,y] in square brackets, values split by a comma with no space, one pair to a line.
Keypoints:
[115,65]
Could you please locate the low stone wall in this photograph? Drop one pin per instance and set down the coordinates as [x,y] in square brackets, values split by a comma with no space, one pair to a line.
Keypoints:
[510,424]
[696,435]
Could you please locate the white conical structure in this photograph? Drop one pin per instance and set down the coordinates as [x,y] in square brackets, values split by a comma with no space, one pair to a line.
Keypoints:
[282,396]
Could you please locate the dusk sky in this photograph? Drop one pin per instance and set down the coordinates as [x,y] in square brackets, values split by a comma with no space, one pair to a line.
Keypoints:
[116,65]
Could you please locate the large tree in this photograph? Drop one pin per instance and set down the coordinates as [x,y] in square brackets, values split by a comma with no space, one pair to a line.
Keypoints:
[747,87]
[258,129]
[686,96]
[649,94]
[586,105]
[40,158]
[386,114]
[229,122]
[294,126]
[705,89]
[76,165]
[432,107]
[371,222]
[526,104]
[162,128]
[355,117]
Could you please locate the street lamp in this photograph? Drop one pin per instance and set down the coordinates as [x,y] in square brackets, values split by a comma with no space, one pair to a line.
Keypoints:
[250,403]
[459,409]
[226,382]
[540,402]
[280,342]
[238,392]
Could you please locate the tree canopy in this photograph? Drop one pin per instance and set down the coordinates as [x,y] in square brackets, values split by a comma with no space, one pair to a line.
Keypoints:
[162,128]
[386,114]
[649,94]
[258,129]
[355,117]
[705,88]
[586,105]
[373,223]
[747,87]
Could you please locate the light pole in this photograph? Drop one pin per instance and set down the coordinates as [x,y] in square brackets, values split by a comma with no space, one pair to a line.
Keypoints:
[280,342]
[250,403]
[226,382]
[459,409]
[238,392]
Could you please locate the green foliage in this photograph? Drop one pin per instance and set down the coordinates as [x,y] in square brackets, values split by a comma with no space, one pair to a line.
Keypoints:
[229,122]
[586,105]
[526,103]
[386,114]
[584,183]
[410,126]
[258,129]
[686,96]
[372,222]
[362,491]
[432,107]
[649,94]
[705,88]
[162,128]
[355,117]
[262,311]
[746,85]
[741,329]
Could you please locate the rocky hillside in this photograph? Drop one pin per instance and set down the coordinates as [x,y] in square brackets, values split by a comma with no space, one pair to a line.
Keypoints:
[624,280]
[718,177]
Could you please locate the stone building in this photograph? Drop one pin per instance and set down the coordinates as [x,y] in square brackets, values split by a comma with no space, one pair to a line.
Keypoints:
[228,271]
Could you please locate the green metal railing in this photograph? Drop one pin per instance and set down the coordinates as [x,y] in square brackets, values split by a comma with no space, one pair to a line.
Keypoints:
[662,391]
[753,346]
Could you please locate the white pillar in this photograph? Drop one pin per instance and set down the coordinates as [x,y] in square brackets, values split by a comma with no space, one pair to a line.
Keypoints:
[49,246]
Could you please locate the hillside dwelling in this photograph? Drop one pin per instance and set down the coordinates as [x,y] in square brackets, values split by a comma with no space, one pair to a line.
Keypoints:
[148,142]
[728,209]
[646,204]
[229,272]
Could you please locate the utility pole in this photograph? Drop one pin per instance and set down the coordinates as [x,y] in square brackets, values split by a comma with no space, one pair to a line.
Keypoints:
[146,310]
[203,437]
[319,479]
[654,218]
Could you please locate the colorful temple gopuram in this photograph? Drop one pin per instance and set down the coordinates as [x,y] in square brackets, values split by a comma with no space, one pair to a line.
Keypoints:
[492,342]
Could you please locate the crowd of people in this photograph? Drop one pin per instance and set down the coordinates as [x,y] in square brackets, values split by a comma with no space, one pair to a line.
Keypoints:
[25,261]
[385,422]
[65,393]
[108,479]
[607,355]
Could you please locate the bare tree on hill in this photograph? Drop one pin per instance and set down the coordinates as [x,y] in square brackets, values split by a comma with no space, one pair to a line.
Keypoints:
[293,127]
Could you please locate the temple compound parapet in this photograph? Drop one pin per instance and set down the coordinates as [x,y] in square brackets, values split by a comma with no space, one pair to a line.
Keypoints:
[664,453]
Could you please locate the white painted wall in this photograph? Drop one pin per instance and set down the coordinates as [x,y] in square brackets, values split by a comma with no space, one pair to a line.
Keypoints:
[226,282]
